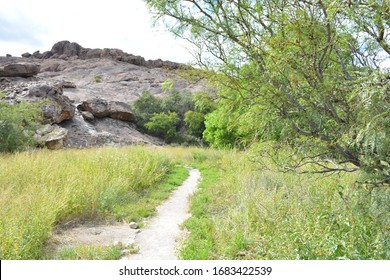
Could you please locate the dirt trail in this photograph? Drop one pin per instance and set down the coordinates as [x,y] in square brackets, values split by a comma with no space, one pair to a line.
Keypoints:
[159,239]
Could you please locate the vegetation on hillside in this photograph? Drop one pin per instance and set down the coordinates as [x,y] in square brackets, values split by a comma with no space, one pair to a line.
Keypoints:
[177,117]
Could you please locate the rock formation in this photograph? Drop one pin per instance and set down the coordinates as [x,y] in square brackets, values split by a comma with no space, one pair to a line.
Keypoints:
[67,50]
[101,108]
[19,70]
[100,83]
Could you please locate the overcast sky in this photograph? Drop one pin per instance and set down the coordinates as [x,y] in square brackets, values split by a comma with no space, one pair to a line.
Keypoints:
[28,26]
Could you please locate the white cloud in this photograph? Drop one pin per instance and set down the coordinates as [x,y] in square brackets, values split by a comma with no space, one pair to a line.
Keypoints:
[123,24]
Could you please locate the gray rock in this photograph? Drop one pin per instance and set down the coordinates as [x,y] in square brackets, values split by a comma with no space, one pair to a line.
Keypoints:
[120,111]
[88,116]
[66,49]
[52,136]
[20,70]
[118,244]
[125,252]
[97,107]
[101,108]
[37,54]
[59,107]
[133,225]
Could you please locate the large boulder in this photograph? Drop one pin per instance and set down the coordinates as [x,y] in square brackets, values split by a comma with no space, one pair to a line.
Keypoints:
[19,70]
[97,107]
[52,136]
[120,111]
[66,49]
[101,108]
[58,107]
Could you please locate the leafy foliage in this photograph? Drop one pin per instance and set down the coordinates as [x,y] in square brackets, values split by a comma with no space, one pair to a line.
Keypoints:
[163,125]
[303,73]
[176,117]
[17,125]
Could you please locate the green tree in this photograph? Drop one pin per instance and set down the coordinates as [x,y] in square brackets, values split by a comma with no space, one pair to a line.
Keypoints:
[164,125]
[145,107]
[302,72]
[18,122]
[195,123]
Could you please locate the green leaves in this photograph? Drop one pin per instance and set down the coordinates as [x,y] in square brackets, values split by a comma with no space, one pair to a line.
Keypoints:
[18,123]
[163,125]
[289,70]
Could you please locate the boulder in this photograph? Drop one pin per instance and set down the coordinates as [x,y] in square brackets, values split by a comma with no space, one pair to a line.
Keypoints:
[37,54]
[19,70]
[101,108]
[58,108]
[98,107]
[120,111]
[26,55]
[52,136]
[88,116]
[133,225]
[66,49]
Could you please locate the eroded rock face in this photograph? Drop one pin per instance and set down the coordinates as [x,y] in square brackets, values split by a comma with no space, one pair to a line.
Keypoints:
[58,107]
[19,70]
[103,132]
[101,108]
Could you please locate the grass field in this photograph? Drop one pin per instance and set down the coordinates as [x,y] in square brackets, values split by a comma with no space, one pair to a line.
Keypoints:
[41,189]
[242,212]
[239,211]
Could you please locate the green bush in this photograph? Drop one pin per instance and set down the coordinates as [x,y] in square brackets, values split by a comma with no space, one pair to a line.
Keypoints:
[154,114]
[195,123]
[164,125]
[17,125]
[145,107]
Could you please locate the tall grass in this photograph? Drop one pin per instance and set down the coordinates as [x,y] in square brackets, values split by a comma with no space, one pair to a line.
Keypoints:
[242,212]
[43,188]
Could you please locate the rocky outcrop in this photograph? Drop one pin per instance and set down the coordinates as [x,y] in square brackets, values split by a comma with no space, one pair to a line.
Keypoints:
[102,82]
[51,136]
[67,50]
[58,108]
[103,132]
[19,70]
[101,108]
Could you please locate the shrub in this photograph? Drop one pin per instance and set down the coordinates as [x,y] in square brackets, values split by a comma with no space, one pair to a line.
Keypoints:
[17,125]
[145,107]
[164,125]
[195,123]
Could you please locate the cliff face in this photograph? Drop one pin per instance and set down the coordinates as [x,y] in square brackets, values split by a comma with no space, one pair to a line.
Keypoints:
[70,75]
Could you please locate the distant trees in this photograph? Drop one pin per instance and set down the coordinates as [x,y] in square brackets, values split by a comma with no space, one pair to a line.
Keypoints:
[176,117]
[305,74]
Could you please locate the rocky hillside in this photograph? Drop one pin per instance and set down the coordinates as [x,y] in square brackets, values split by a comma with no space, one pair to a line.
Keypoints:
[90,92]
